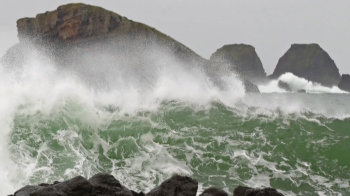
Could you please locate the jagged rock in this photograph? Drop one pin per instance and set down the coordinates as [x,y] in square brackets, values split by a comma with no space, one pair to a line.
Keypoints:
[81,28]
[75,187]
[344,83]
[244,60]
[302,91]
[247,191]
[284,86]
[176,186]
[137,194]
[48,191]
[106,184]
[250,87]
[27,190]
[91,41]
[98,185]
[213,192]
[308,61]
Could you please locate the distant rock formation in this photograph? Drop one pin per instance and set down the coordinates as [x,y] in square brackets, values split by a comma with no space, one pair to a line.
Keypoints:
[308,61]
[83,27]
[249,87]
[284,86]
[244,60]
[344,83]
[77,35]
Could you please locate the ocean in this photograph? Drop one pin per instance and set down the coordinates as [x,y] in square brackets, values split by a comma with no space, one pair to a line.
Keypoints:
[54,127]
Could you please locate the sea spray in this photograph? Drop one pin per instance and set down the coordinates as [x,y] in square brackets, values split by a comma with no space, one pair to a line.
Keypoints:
[56,125]
[296,83]
[34,92]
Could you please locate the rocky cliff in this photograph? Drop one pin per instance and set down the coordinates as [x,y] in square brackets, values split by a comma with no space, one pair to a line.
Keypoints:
[78,35]
[308,61]
[242,59]
[344,83]
[86,27]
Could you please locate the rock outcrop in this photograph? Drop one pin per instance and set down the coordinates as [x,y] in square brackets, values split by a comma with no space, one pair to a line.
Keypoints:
[98,185]
[247,191]
[84,38]
[308,61]
[176,185]
[103,184]
[212,191]
[344,83]
[242,59]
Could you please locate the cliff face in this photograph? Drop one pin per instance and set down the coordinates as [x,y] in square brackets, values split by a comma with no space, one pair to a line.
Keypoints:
[244,60]
[344,83]
[309,61]
[77,35]
[79,24]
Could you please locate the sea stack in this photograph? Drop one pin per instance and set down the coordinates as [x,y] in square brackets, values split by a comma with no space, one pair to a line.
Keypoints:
[84,27]
[77,35]
[242,59]
[308,61]
[344,83]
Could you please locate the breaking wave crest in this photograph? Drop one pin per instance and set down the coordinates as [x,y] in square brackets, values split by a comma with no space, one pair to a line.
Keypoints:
[141,129]
[296,83]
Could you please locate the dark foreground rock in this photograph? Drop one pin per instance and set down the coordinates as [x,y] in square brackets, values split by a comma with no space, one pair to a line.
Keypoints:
[242,59]
[106,185]
[308,61]
[213,192]
[176,185]
[97,44]
[246,191]
[344,83]
[98,185]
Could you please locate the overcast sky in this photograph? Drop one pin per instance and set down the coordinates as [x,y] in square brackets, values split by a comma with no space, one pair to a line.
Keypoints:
[271,26]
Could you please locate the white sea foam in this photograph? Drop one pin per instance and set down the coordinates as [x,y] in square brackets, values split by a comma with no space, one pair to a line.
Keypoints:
[297,83]
[41,87]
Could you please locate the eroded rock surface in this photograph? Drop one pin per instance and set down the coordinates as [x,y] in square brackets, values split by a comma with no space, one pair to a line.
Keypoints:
[308,61]
[247,191]
[99,44]
[244,60]
[103,184]
[213,192]
[176,186]
[344,83]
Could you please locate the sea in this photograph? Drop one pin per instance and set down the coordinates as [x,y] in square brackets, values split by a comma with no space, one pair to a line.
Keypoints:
[55,126]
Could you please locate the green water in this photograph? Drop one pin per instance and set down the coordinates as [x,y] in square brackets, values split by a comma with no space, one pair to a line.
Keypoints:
[298,144]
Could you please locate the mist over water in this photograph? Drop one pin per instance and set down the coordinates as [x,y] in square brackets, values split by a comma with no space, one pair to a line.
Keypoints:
[296,83]
[143,124]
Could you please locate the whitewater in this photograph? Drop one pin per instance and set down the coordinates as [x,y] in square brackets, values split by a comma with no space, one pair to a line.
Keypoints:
[55,126]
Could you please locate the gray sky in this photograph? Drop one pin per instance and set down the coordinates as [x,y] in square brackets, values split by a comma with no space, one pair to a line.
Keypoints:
[271,26]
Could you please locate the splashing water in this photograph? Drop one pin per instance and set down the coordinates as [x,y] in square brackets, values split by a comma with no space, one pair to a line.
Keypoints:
[55,126]
[296,83]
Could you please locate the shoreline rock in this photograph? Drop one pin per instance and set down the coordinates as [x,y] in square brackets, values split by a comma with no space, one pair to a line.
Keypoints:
[344,83]
[103,184]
